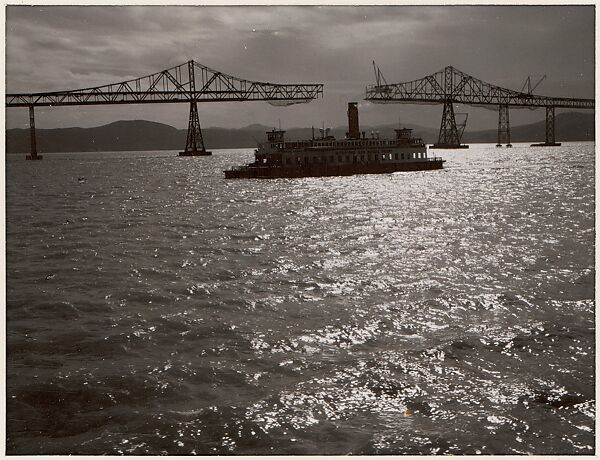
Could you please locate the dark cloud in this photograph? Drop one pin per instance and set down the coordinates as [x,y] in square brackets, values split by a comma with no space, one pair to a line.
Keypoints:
[65,47]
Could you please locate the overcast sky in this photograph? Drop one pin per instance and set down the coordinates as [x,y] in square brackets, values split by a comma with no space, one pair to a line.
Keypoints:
[52,48]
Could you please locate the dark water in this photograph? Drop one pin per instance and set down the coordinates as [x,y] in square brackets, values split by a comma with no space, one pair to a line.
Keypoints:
[153,307]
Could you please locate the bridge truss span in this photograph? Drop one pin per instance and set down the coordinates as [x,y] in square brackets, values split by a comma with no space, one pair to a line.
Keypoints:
[450,85]
[189,82]
[186,82]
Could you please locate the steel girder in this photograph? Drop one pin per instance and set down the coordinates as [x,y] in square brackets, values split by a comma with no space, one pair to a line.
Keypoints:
[450,84]
[448,132]
[194,140]
[32,131]
[503,126]
[550,125]
[186,82]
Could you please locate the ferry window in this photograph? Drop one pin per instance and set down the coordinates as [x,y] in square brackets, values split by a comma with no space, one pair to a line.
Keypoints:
[396,157]
[298,159]
[383,156]
[362,158]
[339,159]
[347,159]
[369,157]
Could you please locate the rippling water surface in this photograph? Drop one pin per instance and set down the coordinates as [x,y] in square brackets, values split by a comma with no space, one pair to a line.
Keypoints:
[154,307]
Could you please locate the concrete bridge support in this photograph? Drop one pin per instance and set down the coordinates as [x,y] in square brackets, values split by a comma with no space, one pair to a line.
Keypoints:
[33,155]
[503,126]
[194,144]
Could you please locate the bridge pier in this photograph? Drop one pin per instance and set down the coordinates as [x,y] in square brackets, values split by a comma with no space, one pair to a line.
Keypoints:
[550,139]
[449,137]
[33,155]
[194,144]
[503,126]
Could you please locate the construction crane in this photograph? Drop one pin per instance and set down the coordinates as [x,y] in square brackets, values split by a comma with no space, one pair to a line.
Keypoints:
[378,75]
[460,127]
[527,84]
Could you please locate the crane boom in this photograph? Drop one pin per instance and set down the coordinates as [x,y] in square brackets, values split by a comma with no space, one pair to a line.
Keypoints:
[527,84]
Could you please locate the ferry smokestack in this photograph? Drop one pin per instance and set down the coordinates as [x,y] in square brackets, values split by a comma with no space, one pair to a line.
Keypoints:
[353,130]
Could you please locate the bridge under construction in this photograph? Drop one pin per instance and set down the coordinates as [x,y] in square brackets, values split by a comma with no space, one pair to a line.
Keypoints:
[449,86]
[192,83]
[189,82]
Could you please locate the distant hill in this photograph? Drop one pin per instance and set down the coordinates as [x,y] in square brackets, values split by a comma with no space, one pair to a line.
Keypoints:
[148,135]
[121,135]
[570,126]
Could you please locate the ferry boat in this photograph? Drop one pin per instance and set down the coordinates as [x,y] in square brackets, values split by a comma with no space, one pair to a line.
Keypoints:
[326,156]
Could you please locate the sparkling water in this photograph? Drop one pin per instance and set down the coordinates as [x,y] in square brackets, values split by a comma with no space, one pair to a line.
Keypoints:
[154,307]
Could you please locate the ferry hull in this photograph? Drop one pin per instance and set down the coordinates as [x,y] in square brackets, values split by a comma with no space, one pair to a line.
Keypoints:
[271,172]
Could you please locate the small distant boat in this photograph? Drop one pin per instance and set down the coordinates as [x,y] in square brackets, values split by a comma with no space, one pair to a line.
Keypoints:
[326,156]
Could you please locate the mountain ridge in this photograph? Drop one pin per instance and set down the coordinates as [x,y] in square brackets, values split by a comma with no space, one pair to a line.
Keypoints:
[131,135]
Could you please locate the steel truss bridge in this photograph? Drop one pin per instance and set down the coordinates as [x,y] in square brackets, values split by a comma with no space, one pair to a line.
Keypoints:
[189,82]
[450,86]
